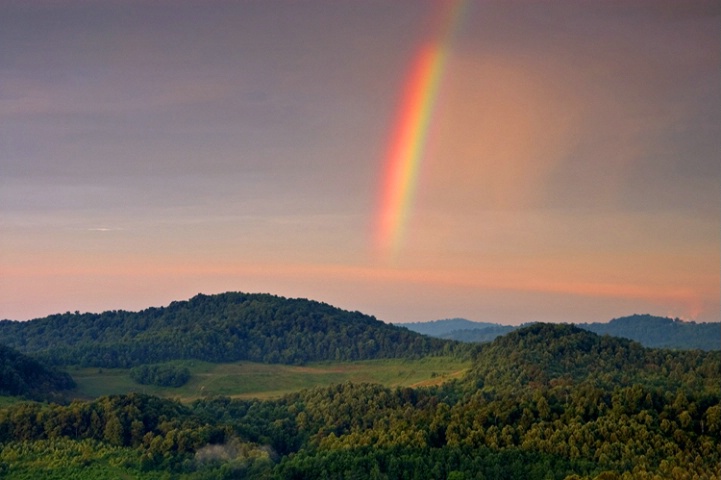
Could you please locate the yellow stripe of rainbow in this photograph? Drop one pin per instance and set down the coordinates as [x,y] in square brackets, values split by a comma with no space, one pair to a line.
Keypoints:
[408,141]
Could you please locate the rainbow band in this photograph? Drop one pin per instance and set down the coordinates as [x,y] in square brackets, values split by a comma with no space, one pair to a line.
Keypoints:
[409,139]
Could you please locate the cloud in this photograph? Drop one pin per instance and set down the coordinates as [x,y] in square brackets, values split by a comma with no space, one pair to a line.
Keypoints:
[150,153]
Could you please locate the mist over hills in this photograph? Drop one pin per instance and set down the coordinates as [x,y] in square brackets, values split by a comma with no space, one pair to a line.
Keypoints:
[460,329]
[217,328]
[439,328]
[650,331]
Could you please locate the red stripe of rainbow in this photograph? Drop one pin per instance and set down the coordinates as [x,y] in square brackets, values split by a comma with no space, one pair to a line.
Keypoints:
[410,133]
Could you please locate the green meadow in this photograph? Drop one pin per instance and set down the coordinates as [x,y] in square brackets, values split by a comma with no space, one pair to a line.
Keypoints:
[6,401]
[259,380]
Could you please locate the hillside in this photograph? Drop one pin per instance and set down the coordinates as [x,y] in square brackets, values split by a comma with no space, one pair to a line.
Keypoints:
[217,328]
[23,376]
[649,330]
[478,335]
[661,332]
[543,355]
[441,328]
[546,401]
[264,380]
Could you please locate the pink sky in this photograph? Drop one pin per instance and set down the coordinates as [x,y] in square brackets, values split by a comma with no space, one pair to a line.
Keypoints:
[150,151]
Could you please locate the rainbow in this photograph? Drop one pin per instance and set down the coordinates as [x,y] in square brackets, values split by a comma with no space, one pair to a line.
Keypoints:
[410,132]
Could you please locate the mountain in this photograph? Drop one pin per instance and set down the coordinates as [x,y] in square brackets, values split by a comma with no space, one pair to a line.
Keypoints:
[440,328]
[218,328]
[23,376]
[649,330]
[661,332]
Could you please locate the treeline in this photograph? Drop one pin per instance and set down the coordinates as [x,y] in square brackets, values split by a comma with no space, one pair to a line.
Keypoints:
[156,434]
[478,335]
[544,355]
[661,332]
[439,328]
[218,328]
[160,375]
[545,433]
[23,376]
[649,330]
[578,418]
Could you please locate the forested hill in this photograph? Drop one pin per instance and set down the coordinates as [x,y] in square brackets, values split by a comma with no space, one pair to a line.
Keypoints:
[661,332]
[24,376]
[218,328]
[543,355]
[544,402]
[649,330]
[441,328]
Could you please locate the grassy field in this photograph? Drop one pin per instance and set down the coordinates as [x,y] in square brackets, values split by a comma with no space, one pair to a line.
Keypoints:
[257,380]
[7,401]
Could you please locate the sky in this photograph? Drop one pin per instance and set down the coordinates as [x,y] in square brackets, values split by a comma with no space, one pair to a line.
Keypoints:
[562,158]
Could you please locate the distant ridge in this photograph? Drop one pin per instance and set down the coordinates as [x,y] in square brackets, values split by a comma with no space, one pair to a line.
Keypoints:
[227,327]
[650,331]
[479,335]
[440,328]
[661,332]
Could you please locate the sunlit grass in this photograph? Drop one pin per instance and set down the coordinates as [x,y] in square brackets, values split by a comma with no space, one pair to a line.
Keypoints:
[257,380]
[7,401]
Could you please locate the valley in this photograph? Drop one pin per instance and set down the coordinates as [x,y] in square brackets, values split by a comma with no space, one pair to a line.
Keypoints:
[276,388]
[268,381]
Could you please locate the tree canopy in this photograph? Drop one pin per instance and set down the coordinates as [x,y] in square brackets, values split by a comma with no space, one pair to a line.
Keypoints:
[649,330]
[546,401]
[217,328]
[21,375]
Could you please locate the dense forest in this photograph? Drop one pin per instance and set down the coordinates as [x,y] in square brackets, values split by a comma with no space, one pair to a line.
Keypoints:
[23,376]
[217,328]
[661,332]
[649,330]
[543,402]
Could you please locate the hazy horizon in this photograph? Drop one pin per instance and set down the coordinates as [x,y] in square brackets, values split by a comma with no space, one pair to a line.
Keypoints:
[568,169]
[430,320]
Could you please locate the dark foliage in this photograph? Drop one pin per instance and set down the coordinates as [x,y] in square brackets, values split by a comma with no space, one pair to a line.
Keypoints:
[23,376]
[546,355]
[547,401]
[160,375]
[661,332]
[217,328]
[649,330]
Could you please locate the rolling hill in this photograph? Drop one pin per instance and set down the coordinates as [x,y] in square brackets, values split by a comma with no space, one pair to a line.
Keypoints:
[21,375]
[661,332]
[545,401]
[217,328]
[441,328]
[544,355]
[650,331]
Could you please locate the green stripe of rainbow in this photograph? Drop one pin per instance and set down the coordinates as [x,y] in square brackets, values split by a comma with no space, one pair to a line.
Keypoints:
[406,149]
